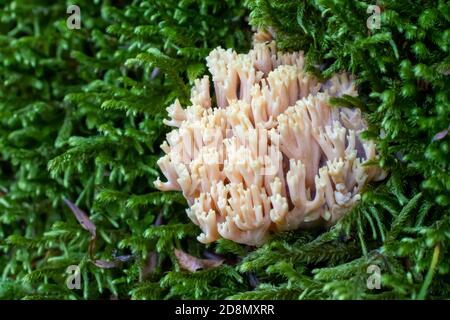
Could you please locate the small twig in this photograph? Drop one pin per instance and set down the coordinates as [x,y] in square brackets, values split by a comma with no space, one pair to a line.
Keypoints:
[430,273]
[152,261]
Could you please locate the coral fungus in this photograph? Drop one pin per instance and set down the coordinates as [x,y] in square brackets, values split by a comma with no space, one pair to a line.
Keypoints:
[273,155]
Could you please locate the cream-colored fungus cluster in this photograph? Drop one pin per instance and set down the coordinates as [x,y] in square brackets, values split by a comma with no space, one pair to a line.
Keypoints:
[273,155]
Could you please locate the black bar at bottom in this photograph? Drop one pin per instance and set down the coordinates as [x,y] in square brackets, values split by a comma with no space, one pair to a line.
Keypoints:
[228,309]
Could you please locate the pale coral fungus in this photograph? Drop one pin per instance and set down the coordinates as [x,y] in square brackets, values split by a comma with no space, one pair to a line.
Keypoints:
[273,155]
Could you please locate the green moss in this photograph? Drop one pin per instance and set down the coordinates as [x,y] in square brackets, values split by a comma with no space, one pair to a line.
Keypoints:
[81,119]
